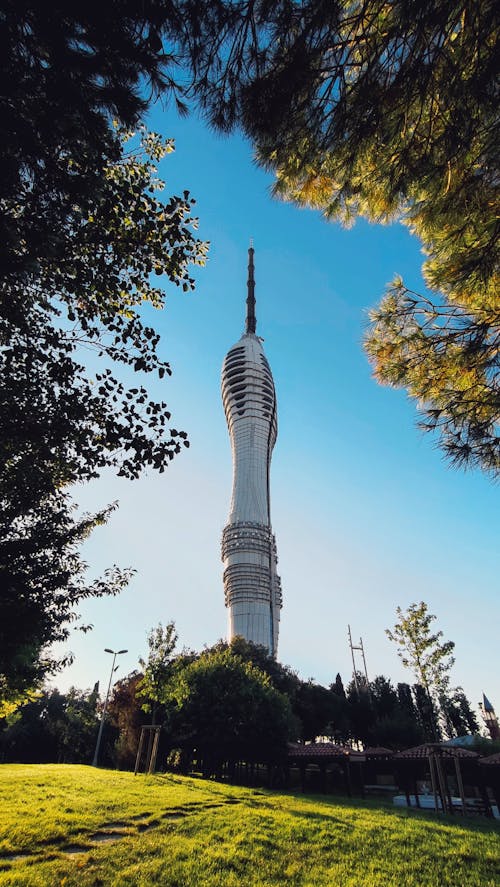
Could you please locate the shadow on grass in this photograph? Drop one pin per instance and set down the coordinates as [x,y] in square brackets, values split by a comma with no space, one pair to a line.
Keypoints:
[469,823]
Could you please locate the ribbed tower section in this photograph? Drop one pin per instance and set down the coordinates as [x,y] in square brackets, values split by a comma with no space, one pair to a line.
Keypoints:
[252,586]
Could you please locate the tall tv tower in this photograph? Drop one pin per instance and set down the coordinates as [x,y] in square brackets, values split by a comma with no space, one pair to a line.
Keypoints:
[252,586]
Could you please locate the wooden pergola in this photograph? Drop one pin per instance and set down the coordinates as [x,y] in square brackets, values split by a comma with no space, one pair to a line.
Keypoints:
[440,761]
[354,766]
[459,780]
[325,756]
[374,763]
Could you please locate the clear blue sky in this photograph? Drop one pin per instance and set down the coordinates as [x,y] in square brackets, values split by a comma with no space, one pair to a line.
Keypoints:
[366,513]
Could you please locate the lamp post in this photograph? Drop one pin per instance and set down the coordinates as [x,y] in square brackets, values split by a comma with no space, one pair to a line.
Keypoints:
[115,653]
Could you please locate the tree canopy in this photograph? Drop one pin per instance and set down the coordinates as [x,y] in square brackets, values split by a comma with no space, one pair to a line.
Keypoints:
[428,657]
[65,71]
[419,649]
[387,110]
[63,424]
[52,726]
[161,642]
[83,230]
[227,710]
[42,582]
[57,416]
[382,109]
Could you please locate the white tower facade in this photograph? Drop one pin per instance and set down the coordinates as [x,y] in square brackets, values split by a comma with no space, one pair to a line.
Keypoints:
[252,586]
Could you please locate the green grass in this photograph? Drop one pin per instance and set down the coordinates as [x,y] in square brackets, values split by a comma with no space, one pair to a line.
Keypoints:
[73,825]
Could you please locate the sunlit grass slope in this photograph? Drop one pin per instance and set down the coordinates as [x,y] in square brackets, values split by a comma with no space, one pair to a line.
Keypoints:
[73,825]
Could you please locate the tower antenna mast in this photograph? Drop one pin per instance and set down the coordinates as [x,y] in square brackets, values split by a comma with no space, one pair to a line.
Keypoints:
[251,322]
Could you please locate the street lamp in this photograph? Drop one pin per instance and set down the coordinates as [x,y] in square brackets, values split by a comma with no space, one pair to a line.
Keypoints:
[115,653]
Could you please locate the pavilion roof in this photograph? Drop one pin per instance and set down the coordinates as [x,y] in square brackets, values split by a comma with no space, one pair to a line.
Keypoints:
[331,750]
[491,759]
[436,748]
[378,752]
[318,750]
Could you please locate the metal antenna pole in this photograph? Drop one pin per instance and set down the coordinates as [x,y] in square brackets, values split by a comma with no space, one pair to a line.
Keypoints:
[364,662]
[354,673]
[361,650]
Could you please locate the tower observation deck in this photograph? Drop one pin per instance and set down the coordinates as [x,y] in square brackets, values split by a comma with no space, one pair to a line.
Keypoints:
[252,586]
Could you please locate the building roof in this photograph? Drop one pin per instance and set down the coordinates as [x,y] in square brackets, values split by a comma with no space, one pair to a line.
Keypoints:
[378,752]
[491,759]
[435,748]
[319,750]
[331,750]
[487,706]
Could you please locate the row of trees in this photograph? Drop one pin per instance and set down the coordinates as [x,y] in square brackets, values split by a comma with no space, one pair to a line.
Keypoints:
[235,703]
[53,727]
[220,707]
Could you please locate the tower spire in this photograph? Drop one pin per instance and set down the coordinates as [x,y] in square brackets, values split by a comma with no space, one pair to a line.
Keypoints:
[251,321]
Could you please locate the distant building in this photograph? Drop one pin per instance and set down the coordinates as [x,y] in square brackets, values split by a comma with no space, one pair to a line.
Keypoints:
[252,586]
[490,718]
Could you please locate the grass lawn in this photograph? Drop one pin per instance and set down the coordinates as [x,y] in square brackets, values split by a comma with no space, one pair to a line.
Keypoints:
[74,825]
